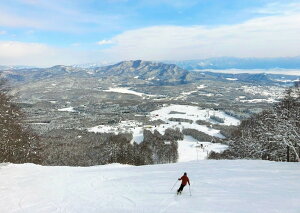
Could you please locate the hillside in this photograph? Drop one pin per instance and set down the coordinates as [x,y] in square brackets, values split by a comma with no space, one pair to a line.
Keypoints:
[145,70]
[216,186]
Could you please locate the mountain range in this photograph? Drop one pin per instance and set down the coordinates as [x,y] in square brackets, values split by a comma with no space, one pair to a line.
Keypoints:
[137,71]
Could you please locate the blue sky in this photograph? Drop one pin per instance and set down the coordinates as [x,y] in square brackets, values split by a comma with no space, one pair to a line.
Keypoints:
[49,32]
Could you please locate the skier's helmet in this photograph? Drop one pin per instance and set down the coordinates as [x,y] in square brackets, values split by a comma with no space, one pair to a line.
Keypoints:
[185,173]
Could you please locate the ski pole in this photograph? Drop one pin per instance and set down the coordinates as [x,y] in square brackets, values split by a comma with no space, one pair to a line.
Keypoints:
[174,185]
[190,190]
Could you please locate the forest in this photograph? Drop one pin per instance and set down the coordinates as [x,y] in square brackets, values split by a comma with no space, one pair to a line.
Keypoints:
[273,134]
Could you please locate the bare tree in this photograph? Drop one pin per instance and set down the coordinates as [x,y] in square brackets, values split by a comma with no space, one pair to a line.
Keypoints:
[17,144]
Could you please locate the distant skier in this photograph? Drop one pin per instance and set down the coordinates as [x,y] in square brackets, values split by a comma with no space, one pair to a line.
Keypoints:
[184,180]
[202,147]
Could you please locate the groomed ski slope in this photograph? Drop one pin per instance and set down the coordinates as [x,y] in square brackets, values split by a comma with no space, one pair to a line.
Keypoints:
[239,186]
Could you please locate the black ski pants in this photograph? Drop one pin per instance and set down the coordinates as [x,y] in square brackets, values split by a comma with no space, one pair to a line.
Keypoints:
[181,188]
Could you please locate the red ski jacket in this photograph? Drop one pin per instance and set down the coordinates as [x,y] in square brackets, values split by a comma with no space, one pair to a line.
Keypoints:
[184,180]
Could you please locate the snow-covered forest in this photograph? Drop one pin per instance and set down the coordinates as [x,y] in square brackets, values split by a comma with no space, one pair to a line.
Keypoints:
[17,144]
[273,134]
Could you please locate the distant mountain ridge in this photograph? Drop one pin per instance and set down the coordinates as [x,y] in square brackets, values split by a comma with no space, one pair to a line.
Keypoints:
[158,73]
[135,72]
[4,67]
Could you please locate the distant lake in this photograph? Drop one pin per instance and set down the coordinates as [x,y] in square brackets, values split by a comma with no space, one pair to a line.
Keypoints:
[253,71]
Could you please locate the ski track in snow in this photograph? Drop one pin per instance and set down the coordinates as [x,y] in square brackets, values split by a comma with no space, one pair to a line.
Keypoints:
[216,186]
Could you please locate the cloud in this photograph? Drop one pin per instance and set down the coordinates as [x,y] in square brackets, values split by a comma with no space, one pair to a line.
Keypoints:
[10,20]
[60,16]
[37,54]
[278,8]
[269,36]
[2,32]
[105,42]
[274,35]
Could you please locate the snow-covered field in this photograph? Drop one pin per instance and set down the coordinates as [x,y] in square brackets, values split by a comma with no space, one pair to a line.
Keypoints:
[232,79]
[188,144]
[239,186]
[130,126]
[126,90]
[67,109]
[192,113]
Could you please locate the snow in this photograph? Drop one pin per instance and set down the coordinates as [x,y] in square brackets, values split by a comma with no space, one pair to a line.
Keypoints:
[184,94]
[189,149]
[232,79]
[129,126]
[207,94]
[67,109]
[192,113]
[126,90]
[189,92]
[39,123]
[269,100]
[202,86]
[270,91]
[216,186]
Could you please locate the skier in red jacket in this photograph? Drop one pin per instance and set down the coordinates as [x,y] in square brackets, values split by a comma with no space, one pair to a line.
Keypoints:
[184,180]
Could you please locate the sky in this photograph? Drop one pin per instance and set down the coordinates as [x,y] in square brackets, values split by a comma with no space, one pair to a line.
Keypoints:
[50,32]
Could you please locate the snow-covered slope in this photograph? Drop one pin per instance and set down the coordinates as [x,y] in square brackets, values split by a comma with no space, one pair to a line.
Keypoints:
[188,148]
[216,186]
[191,113]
